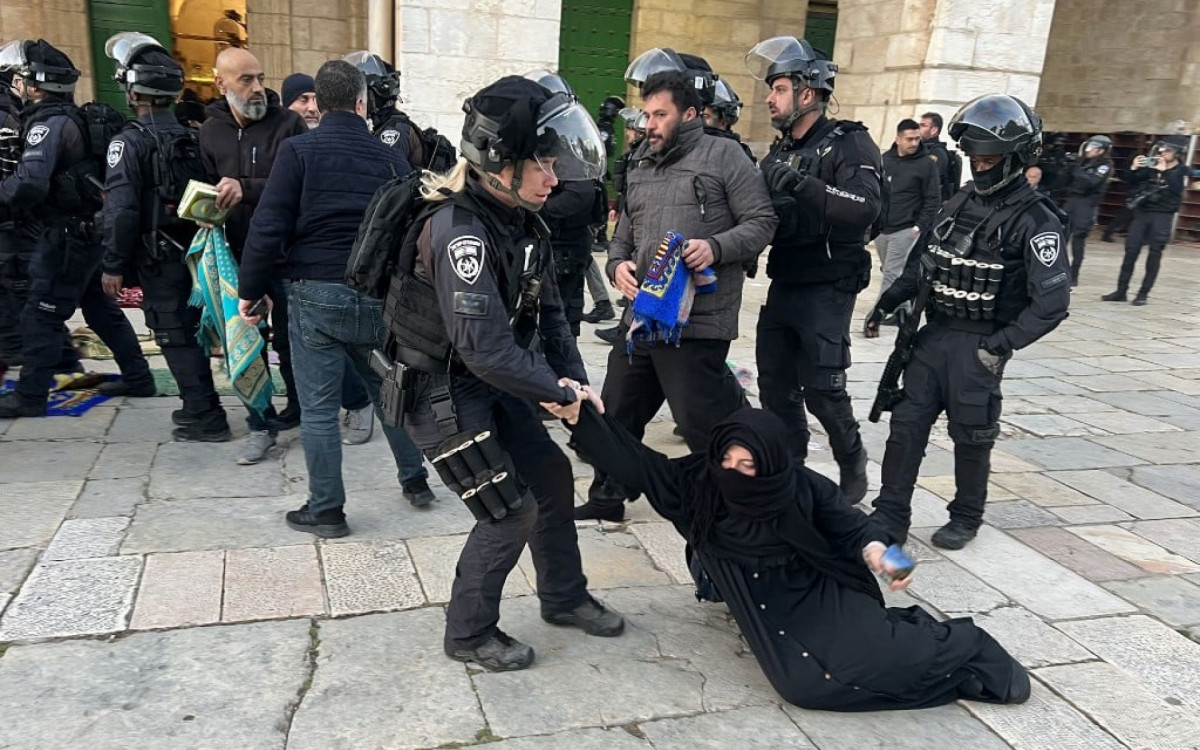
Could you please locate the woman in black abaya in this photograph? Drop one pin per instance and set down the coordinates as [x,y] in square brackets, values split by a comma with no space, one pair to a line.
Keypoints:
[793,563]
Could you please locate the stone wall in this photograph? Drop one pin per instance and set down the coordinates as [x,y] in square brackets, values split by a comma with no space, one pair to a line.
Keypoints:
[1114,65]
[728,30]
[900,58]
[63,23]
[296,36]
[449,49]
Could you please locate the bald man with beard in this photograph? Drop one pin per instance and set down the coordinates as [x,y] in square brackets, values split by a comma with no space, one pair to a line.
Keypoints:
[238,143]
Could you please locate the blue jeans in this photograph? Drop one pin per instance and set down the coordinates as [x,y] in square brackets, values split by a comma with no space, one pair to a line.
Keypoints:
[329,321]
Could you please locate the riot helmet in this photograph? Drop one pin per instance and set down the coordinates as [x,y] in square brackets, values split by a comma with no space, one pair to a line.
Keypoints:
[1176,143]
[516,119]
[1101,142]
[797,59]
[143,65]
[635,119]
[665,59]
[611,107]
[552,81]
[998,125]
[383,80]
[726,103]
[40,64]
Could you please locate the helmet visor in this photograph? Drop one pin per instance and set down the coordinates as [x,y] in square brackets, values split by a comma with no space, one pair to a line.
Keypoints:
[634,118]
[367,62]
[567,134]
[553,81]
[999,115]
[776,50]
[124,46]
[725,95]
[12,55]
[650,62]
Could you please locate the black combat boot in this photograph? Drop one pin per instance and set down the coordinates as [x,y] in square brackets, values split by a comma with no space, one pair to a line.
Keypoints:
[853,480]
[602,311]
[1141,299]
[591,617]
[499,653]
[953,535]
[416,491]
[133,388]
[329,525]
[609,335]
[13,406]
[1117,296]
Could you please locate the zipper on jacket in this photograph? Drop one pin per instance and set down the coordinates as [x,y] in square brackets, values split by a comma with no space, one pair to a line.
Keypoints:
[701,194]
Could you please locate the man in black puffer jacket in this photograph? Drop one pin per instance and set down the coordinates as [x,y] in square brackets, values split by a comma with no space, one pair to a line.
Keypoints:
[319,189]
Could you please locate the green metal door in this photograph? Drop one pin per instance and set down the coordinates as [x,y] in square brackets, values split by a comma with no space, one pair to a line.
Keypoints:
[593,50]
[109,17]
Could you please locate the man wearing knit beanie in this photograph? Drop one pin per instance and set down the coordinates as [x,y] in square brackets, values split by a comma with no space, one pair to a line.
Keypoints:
[300,96]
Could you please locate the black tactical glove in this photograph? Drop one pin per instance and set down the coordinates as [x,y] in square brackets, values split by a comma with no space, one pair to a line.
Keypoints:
[783,179]
[993,362]
[871,324]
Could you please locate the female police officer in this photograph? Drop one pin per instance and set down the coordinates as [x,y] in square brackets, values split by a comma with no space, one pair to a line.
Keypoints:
[468,318]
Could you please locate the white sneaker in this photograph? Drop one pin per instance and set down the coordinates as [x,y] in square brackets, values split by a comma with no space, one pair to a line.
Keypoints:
[360,425]
[256,447]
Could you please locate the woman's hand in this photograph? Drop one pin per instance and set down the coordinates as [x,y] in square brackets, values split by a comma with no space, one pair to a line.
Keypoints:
[873,557]
[570,412]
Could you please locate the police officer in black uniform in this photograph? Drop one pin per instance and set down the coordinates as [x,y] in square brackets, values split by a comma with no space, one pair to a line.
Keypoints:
[1089,175]
[143,237]
[824,178]
[995,269]
[481,292]
[53,182]
[389,124]
[723,113]
[16,246]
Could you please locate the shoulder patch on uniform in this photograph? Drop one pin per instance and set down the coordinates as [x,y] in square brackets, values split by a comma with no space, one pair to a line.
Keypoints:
[933,158]
[37,134]
[1102,170]
[1056,280]
[470,304]
[466,256]
[389,137]
[1046,247]
[116,150]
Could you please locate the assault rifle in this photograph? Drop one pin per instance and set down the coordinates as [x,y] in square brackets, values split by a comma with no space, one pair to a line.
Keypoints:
[890,391]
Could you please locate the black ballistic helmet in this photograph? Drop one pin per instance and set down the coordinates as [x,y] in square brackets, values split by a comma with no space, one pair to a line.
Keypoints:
[702,76]
[383,80]
[611,107]
[1102,142]
[663,59]
[41,64]
[553,82]
[795,58]
[143,65]
[726,103]
[515,119]
[1176,143]
[998,125]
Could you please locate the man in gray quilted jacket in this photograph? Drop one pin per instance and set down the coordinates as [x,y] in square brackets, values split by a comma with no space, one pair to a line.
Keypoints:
[706,190]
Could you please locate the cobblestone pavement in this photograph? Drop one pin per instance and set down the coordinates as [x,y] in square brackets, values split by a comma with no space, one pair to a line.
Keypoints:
[152,597]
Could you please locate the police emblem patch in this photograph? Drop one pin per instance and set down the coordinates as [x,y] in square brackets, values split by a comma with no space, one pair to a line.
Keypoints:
[389,137]
[116,150]
[1045,247]
[1102,170]
[36,134]
[466,256]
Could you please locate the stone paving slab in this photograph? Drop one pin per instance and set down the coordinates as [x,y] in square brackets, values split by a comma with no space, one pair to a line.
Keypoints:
[665,547]
[195,470]
[273,582]
[1181,482]
[1169,598]
[1078,554]
[1124,423]
[944,487]
[383,681]
[1019,514]
[180,589]
[1133,548]
[152,423]
[1033,580]
[383,515]
[1123,706]
[1122,494]
[755,728]
[953,590]
[1181,536]
[211,523]
[617,738]
[946,727]
[82,538]
[1068,453]
[1030,640]
[73,597]
[1038,489]
[1075,515]
[93,423]
[33,511]
[196,689]
[616,560]
[15,565]
[1045,721]
[104,498]
[435,559]
[1051,425]
[124,461]
[1158,447]
[369,576]
[1162,660]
